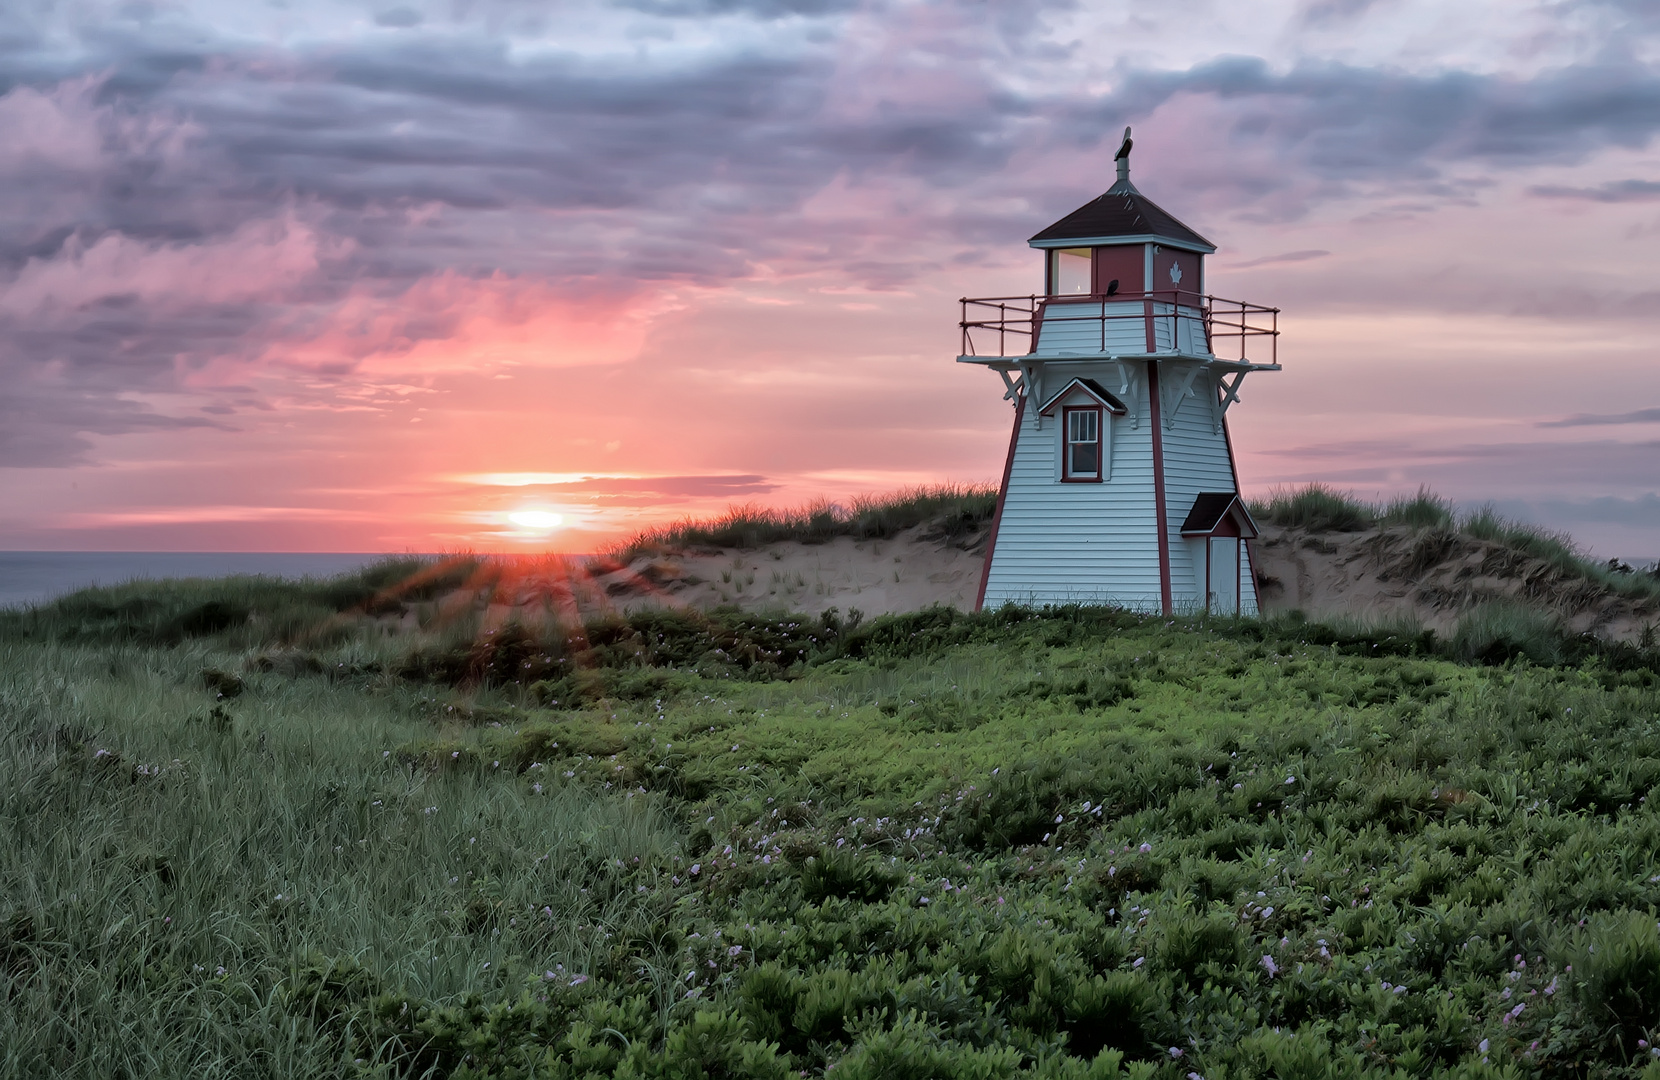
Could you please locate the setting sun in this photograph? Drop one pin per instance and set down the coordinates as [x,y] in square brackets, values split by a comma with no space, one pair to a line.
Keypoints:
[536,519]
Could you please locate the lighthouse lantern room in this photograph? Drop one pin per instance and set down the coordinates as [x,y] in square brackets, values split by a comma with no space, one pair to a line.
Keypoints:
[1120,485]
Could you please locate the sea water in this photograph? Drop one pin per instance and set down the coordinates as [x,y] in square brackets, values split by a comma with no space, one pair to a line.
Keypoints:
[32,577]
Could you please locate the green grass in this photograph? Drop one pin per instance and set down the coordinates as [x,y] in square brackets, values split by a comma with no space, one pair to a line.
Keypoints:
[1057,844]
[244,610]
[952,511]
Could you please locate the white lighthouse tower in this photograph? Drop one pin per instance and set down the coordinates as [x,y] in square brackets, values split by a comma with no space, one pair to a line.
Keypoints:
[1120,485]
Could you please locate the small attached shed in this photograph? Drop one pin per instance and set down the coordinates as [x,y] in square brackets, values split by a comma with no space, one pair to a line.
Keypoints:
[1215,531]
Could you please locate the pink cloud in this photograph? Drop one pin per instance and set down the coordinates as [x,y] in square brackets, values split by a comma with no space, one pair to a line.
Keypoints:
[65,128]
[260,260]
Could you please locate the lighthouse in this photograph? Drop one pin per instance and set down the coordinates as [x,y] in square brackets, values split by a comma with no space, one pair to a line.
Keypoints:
[1120,485]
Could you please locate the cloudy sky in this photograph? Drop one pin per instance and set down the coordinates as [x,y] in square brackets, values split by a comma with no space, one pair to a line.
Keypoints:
[365,276]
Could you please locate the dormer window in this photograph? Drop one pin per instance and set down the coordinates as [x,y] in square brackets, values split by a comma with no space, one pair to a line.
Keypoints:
[1083,443]
[1084,410]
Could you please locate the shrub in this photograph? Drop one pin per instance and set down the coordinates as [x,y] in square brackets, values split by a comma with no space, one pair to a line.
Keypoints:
[715,1045]
[1619,976]
[840,872]
[1118,1011]
[1499,631]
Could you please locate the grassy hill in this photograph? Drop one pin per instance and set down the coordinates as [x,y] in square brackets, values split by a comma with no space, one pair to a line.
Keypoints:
[253,828]
[1419,560]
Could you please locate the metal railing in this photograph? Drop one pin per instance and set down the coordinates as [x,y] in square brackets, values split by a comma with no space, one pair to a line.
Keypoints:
[1230,326]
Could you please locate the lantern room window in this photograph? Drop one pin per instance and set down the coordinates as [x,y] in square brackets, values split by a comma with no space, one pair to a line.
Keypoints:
[1070,272]
[1082,460]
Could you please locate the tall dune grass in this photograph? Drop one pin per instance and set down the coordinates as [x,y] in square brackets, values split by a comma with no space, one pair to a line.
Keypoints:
[249,609]
[1321,508]
[953,510]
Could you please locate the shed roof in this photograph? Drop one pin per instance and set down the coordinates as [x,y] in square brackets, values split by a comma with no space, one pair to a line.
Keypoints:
[1089,386]
[1211,508]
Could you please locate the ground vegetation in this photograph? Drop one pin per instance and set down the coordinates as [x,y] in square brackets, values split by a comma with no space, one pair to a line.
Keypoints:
[1074,842]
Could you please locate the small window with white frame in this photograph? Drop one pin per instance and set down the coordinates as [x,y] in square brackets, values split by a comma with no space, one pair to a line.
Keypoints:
[1070,271]
[1081,456]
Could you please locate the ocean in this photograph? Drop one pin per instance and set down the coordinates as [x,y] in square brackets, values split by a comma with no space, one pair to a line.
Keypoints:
[31,577]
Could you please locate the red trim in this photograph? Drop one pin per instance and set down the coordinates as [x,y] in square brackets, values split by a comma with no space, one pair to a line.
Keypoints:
[1228,526]
[1066,445]
[1158,479]
[1002,494]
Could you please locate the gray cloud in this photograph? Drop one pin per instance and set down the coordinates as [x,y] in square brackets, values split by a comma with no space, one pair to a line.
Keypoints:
[1489,470]
[1288,257]
[1641,416]
[1640,512]
[1320,129]
[1615,191]
[50,425]
[758,9]
[1318,12]
[685,486]
[363,165]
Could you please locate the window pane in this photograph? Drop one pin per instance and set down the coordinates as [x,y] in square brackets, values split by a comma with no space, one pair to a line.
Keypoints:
[1071,271]
[1086,459]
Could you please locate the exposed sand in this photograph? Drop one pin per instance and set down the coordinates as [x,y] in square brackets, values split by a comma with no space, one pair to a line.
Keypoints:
[905,573]
[1431,576]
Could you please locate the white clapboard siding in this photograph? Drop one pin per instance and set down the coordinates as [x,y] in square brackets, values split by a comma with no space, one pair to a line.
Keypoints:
[1195,460]
[1190,332]
[1086,543]
[1075,329]
[1098,543]
[1179,329]
[1083,328]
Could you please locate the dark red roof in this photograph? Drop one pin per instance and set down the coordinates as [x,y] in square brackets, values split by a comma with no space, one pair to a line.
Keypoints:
[1121,211]
[1210,507]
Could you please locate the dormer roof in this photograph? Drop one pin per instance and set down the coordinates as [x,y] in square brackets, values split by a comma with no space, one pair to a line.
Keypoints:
[1090,388]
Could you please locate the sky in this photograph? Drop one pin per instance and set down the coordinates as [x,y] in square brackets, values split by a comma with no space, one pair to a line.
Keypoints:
[341,276]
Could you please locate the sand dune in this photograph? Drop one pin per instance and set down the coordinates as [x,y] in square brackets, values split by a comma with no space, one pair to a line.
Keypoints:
[907,572]
[1431,576]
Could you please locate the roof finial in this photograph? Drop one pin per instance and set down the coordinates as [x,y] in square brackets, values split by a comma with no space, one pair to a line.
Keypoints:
[1123,158]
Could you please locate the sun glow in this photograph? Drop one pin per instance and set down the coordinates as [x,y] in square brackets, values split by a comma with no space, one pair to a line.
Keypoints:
[540,520]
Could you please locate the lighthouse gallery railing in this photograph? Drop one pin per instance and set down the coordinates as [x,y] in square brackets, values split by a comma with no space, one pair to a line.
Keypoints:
[1230,326]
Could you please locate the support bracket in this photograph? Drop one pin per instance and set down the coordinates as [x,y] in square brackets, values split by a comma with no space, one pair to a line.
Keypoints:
[1173,398]
[1129,391]
[1230,391]
[1013,388]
